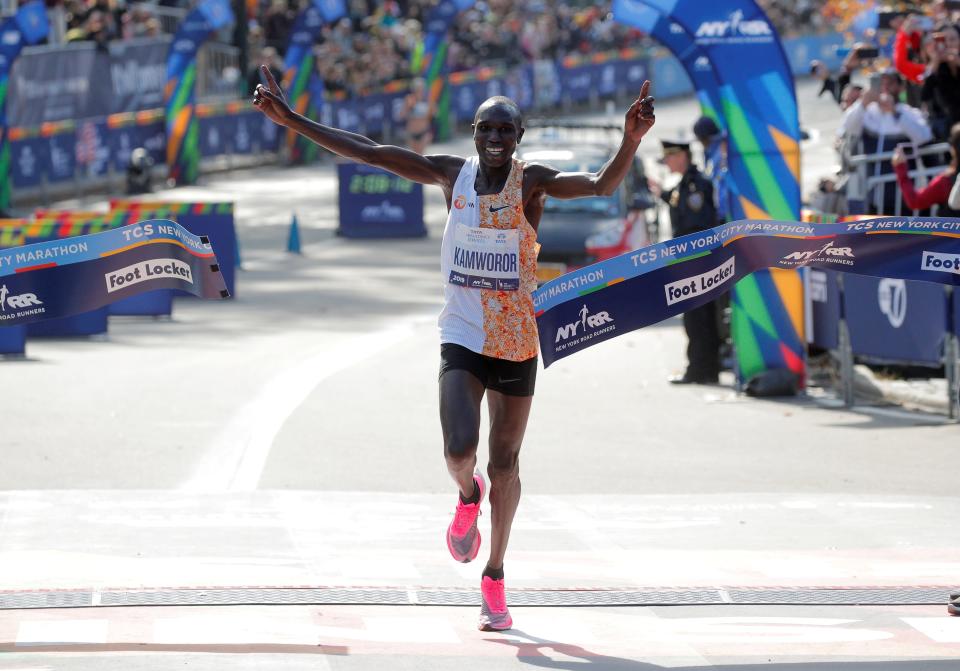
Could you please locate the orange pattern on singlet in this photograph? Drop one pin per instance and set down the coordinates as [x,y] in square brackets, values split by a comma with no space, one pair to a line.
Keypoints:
[510,328]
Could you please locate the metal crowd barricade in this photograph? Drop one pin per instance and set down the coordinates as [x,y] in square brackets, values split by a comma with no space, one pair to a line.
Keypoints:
[218,73]
[866,188]
[170,17]
[886,321]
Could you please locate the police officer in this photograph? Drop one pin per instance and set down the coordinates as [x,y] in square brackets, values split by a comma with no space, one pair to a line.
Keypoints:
[714,143]
[715,164]
[693,209]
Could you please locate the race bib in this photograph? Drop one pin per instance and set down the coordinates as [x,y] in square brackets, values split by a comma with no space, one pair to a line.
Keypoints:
[486,258]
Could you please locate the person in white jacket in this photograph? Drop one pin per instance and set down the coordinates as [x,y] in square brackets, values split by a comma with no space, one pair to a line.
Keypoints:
[879,112]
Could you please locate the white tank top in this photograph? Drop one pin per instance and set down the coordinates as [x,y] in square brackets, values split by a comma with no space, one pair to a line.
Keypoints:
[488,264]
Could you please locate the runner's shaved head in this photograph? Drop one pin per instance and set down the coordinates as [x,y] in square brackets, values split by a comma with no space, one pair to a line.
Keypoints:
[502,102]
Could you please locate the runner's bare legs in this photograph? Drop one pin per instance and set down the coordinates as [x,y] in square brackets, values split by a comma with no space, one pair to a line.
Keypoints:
[460,400]
[508,422]
[461,394]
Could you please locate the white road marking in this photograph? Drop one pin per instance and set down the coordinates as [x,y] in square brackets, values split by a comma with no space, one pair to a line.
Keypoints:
[768,629]
[409,629]
[942,629]
[885,505]
[232,629]
[237,458]
[52,632]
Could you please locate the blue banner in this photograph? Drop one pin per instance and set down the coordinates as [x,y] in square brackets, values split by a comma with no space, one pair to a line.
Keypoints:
[378,204]
[895,320]
[28,26]
[62,152]
[61,278]
[331,10]
[29,162]
[92,151]
[733,56]
[439,20]
[125,139]
[183,151]
[823,301]
[956,312]
[648,285]
[31,19]
[301,81]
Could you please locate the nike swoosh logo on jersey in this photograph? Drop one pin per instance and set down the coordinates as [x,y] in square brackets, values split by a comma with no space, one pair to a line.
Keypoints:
[497,209]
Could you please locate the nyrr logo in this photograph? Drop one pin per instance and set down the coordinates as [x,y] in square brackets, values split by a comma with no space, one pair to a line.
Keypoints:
[18,302]
[460,202]
[941,263]
[832,254]
[580,327]
[892,298]
[385,211]
[734,29]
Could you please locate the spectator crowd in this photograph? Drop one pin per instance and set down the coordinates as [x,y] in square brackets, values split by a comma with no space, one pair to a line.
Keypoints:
[376,43]
[898,91]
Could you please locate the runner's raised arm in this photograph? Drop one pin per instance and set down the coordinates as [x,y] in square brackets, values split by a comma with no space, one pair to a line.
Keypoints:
[436,170]
[639,119]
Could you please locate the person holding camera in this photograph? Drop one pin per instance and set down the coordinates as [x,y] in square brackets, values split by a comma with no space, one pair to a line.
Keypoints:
[875,124]
[879,113]
[910,42]
[861,55]
[941,83]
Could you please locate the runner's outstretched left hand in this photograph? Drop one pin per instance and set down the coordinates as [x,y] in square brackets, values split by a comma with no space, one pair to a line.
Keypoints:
[270,99]
[640,117]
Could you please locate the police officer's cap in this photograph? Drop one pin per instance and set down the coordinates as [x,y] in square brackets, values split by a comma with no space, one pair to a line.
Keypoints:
[674,146]
[705,128]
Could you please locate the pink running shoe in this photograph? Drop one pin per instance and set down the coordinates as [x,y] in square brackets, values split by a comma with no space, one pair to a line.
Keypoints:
[494,615]
[463,537]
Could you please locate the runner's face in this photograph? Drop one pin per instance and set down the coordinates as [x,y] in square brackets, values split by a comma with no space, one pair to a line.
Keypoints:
[496,133]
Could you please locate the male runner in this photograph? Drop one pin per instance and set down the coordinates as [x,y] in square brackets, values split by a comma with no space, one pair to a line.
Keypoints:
[488,332]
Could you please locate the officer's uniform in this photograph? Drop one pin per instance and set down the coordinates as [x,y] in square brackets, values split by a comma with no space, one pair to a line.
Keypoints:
[715,165]
[693,209]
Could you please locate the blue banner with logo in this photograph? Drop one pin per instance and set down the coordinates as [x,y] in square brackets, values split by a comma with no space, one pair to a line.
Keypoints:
[28,26]
[61,278]
[62,154]
[823,306]
[956,312]
[648,285]
[439,20]
[183,152]
[301,81]
[896,320]
[378,204]
[582,82]
[733,56]
[30,162]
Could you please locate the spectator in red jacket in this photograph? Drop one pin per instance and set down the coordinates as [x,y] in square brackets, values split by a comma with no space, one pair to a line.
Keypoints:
[938,191]
[909,41]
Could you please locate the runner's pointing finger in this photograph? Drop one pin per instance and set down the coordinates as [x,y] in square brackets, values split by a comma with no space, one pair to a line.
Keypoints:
[644,90]
[271,82]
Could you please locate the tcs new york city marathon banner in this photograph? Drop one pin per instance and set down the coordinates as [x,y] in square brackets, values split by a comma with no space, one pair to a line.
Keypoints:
[648,285]
[65,277]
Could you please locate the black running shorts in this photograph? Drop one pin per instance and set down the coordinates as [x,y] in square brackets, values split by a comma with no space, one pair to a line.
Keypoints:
[513,378]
